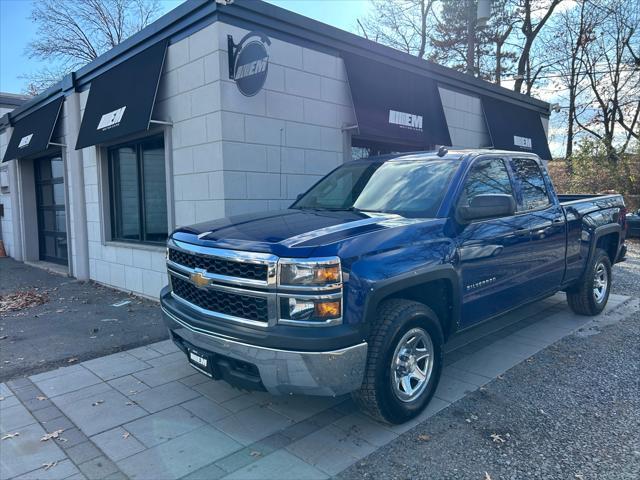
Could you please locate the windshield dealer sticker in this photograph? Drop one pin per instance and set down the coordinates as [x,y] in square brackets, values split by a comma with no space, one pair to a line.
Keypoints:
[406,120]
[25,141]
[111,119]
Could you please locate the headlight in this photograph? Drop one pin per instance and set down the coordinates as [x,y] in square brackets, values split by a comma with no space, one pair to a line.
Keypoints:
[318,310]
[317,272]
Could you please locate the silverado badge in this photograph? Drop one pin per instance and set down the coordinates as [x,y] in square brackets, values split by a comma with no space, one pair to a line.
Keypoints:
[199,279]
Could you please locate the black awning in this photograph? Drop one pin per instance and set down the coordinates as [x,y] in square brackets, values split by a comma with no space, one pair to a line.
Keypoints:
[121,99]
[394,105]
[515,128]
[32,133]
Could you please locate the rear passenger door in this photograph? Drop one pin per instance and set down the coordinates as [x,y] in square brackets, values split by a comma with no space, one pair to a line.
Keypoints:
[546,222]
[492,252]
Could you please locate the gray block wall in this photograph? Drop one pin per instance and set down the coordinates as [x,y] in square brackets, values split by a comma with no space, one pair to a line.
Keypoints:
[465,119]
[6,222]
[235,154]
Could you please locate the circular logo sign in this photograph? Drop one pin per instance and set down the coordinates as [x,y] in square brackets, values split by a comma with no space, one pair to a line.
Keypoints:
[252,64]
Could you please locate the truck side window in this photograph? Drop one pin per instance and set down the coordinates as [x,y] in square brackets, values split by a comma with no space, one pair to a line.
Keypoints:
[534,191]
[487,176]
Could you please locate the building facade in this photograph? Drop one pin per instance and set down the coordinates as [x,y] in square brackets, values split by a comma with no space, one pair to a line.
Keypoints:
[218,110]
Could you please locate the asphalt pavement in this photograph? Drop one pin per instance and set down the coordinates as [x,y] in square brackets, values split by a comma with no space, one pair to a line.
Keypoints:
[76,322]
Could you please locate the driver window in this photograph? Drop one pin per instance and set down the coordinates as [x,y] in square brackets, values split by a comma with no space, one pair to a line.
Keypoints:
[487,176]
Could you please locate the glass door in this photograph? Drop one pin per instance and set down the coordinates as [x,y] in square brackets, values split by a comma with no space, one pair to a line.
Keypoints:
[52,217]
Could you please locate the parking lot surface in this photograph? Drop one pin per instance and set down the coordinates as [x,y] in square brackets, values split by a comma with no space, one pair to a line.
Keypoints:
[145,414]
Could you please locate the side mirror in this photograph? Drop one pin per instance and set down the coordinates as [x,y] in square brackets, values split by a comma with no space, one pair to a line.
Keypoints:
[488,206]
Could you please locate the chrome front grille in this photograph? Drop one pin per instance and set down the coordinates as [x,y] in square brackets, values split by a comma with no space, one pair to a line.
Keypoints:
[229,304]
[220,266]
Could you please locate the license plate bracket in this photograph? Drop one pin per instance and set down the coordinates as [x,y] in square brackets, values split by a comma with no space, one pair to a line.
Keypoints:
[201,361]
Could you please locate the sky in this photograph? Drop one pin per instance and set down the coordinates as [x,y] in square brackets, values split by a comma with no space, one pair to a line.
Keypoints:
[16,31]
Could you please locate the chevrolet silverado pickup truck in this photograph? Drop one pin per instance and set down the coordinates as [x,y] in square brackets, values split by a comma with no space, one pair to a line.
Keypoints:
[358,284]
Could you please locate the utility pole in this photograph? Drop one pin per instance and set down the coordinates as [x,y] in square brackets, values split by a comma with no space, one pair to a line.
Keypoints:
[477,15]
[471,35]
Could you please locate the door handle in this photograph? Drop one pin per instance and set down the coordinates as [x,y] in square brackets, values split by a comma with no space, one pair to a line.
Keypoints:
[521,232]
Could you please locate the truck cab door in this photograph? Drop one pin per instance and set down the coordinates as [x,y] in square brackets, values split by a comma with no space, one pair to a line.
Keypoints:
[547,223]
[493,252]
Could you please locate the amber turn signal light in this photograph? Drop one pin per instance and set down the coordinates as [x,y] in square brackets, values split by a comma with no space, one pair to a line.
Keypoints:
[327,309]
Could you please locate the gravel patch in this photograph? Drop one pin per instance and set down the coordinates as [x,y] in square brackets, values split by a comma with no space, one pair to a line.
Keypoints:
[626,275]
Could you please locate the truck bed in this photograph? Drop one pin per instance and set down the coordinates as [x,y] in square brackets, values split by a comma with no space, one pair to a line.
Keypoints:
[574,197]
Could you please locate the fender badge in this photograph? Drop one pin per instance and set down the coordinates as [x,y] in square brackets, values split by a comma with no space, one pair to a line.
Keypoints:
[198,279]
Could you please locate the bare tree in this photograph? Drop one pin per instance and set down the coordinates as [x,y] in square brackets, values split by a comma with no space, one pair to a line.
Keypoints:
[401,24]
[609,52]
[72,33]
[530,11]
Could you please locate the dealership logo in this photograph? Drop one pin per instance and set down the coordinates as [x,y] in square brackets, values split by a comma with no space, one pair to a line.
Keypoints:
[523,142]
[111,119]
[406,120]
[25,141]
[249,62]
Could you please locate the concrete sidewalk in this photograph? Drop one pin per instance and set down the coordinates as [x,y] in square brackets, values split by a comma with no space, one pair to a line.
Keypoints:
[145,414]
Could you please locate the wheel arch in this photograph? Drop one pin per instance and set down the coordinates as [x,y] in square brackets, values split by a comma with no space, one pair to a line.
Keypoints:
[437,288]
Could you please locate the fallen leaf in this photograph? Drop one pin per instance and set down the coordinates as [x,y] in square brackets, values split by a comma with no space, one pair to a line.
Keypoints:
[10,435]
[41,398]
[255,453]
[49,436]
[71,360]
[1,398]
[424,438]
[131,403]
[500,377]
[21,299]
[487,476]
[60,311]
[497,438]
[3,337]
[49,465]
[579,476]
[97,402]
[125,435]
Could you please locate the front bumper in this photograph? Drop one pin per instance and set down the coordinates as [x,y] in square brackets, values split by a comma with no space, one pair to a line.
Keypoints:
[327,373]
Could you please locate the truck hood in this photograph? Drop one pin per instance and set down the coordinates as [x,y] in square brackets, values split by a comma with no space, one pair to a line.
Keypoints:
[287,232]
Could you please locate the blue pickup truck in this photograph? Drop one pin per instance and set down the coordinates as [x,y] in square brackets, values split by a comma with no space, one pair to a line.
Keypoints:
[356,287]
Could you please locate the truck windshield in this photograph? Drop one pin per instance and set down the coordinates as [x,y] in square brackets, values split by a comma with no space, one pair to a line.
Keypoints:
[411,188]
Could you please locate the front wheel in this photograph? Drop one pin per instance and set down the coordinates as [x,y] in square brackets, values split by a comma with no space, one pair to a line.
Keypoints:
[404,362]
[591,294]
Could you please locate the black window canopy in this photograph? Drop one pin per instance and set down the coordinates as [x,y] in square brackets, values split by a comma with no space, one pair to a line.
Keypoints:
[121,99]
[515,128]
[395,106]
[32,133]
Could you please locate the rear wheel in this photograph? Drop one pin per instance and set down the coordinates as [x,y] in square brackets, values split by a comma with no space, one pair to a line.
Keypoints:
[404,362]
[591,294]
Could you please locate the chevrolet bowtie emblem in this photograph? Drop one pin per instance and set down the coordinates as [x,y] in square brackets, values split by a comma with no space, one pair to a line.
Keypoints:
[199,279]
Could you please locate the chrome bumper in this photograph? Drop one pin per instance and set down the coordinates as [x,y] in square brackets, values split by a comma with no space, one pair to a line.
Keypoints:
[286,372]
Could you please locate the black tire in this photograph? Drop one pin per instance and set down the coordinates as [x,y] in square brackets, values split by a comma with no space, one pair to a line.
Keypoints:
[582,298]
[377,395]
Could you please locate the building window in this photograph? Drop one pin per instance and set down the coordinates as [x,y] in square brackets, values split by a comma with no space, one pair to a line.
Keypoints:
[137,180]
